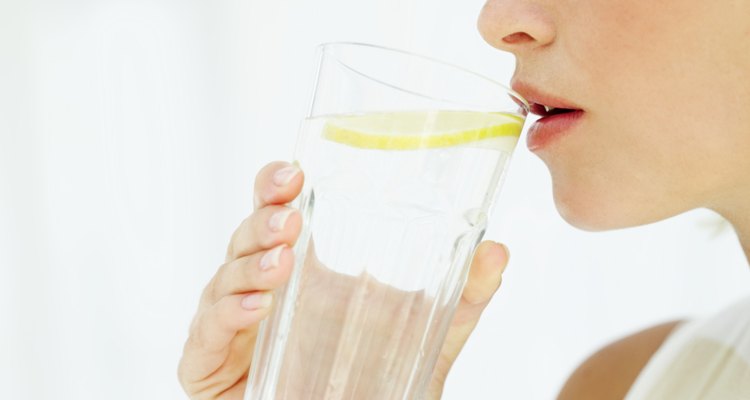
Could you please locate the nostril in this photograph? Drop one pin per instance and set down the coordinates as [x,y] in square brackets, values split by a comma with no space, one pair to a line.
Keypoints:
[517,38]
[517,25]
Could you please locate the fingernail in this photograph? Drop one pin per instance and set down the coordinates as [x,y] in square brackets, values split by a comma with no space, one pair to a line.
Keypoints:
[285,175]
[257,301]
[278,220]
[271,258]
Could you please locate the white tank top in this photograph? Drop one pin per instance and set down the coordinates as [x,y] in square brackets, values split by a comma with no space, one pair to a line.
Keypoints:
[702,359]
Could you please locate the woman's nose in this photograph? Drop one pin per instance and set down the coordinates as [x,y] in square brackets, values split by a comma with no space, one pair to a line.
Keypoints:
[515,25]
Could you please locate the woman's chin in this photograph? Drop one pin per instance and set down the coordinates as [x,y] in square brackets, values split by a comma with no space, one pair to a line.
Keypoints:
[586,221]
[610,211]
[596,213]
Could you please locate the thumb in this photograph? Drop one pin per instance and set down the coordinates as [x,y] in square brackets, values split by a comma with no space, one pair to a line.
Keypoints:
[485,275]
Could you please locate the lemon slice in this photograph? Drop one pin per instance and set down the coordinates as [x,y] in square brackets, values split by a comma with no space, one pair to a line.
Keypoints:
[409,130]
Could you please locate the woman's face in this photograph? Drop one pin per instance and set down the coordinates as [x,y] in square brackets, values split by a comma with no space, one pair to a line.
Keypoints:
[665,91]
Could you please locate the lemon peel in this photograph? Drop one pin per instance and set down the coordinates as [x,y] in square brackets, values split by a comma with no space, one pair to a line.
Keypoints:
[409,130]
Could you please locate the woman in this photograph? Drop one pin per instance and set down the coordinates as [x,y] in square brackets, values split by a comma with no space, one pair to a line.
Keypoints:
[654,122]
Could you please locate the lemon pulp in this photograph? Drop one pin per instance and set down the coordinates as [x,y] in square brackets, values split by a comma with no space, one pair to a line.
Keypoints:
[409,130]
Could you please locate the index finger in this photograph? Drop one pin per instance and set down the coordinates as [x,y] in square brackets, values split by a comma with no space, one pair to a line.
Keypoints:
[278,182]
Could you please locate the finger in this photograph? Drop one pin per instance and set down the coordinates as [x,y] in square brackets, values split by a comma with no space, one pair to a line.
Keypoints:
[263,270]
[485,276]
[484,279]
[278,182]
[207,346]
[486,273]
[264,229]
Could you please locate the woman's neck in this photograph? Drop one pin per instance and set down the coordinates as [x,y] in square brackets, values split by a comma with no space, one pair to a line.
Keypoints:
[743,231]
[738,214]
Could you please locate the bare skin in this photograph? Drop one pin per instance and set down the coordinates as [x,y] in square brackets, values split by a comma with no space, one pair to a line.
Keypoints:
[657,136]
[664,89]
[218,352]
[610,372]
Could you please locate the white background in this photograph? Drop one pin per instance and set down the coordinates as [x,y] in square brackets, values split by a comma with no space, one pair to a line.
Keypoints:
[130,136]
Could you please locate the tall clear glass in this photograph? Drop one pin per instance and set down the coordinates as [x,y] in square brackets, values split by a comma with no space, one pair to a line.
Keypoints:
[403,156]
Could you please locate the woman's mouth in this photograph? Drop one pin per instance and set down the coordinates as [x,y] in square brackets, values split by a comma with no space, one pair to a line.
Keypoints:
[558,117]
[553,124]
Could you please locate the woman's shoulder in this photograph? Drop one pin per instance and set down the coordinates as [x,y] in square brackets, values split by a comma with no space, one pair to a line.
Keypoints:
[610,372]
[705,358]
[702,358]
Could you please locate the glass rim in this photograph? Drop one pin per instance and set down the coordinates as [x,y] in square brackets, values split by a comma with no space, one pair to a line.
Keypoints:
[322,47]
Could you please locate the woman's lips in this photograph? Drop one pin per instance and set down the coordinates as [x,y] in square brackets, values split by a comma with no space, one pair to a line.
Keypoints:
[558,115]
[551,127]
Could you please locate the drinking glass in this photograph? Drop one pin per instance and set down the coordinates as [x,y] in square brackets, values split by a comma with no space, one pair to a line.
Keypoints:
[403,156]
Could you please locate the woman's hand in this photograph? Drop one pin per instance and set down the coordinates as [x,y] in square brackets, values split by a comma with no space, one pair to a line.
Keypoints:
[217,355]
